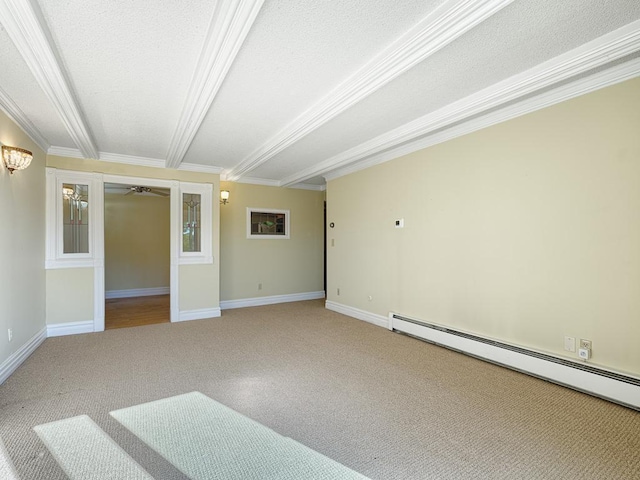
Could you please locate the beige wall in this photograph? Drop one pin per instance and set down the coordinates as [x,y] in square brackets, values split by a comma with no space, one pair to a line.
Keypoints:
[524,232]
[205,276]
[69,295]
[136,241]
[281,266]
[22,227]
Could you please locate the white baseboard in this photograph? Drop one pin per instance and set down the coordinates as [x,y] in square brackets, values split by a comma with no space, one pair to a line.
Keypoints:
[71,328]
[136,292]
[199,314]
[544,366]
[19,356]
[273,299]
[374,318]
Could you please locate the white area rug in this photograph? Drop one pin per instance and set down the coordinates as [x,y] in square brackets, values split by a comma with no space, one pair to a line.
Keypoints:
[86,452]
[206,440]
[7,470]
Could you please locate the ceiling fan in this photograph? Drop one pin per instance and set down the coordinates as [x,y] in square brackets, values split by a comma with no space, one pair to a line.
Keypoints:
[139,189]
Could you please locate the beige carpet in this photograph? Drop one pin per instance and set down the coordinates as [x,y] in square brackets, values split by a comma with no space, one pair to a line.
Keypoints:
[383,404]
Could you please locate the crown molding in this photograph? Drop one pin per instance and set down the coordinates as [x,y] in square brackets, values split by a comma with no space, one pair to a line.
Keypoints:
[273,183]
[435,31]
[12,111]
[194,167]
[257,181]
[65,152]
[309,186]
[596,53]
[30,37]
[131,160]
[599,80]
[232,20]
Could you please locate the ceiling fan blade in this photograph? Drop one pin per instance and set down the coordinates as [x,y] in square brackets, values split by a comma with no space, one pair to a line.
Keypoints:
[159,192]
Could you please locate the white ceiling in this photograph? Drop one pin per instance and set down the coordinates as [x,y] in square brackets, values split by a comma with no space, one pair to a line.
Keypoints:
[288,92]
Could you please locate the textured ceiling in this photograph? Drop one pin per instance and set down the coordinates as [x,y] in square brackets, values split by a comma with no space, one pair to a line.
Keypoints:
[286,92]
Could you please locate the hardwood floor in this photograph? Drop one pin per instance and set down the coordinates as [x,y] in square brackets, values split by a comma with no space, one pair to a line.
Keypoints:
[136,311]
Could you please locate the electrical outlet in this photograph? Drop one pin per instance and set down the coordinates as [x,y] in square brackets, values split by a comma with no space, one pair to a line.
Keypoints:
[400,223]
[10,334]
[584,353]
[333,242]
[569,344]
[338,290]
[586,344]
[259,286]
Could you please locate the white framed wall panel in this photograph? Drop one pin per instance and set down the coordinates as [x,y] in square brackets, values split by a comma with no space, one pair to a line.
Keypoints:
[205,255]
[55,256]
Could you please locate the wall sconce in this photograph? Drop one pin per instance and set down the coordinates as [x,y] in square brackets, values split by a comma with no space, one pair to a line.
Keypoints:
[224,197]
[16,158]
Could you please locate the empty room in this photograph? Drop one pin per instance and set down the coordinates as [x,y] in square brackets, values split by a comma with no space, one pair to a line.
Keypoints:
[319,239]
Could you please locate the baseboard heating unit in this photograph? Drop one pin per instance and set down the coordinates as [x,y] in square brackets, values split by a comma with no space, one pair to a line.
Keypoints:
[616,387]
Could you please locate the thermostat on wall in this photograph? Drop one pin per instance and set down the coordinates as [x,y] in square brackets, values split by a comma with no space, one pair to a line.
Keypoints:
[400,223]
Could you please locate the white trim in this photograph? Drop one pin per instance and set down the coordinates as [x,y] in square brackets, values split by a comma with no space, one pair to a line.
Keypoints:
[435,31]
[30,38]
[71,328]
[98,269]
[617,74]
[287,224]
[64,152]
[374,318]
[270,300]
[131,160]
[137,292]
[18,357]
[596,53]
[227,31]
[602,386]
[309,186]
[195,167]
[268,182]
[12,111]
[199,314]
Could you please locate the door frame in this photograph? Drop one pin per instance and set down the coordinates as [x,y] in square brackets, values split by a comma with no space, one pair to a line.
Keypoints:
[174,232]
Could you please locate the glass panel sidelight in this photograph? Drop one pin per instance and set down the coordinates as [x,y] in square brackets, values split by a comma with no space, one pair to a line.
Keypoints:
[75,217]
[191,222]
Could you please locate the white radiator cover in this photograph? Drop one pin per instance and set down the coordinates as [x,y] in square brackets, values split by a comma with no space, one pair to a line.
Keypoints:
[612,386]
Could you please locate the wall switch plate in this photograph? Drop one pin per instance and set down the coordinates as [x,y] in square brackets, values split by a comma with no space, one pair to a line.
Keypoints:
[400,223]
[584,353]
[569,344]
[10,334]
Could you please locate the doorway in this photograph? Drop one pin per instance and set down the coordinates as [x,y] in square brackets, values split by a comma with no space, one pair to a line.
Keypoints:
[137,249]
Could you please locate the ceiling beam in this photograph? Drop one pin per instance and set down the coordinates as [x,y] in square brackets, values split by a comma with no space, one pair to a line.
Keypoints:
[438,29]
[28,33]
[19,118]
[594,54]
[231,22]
